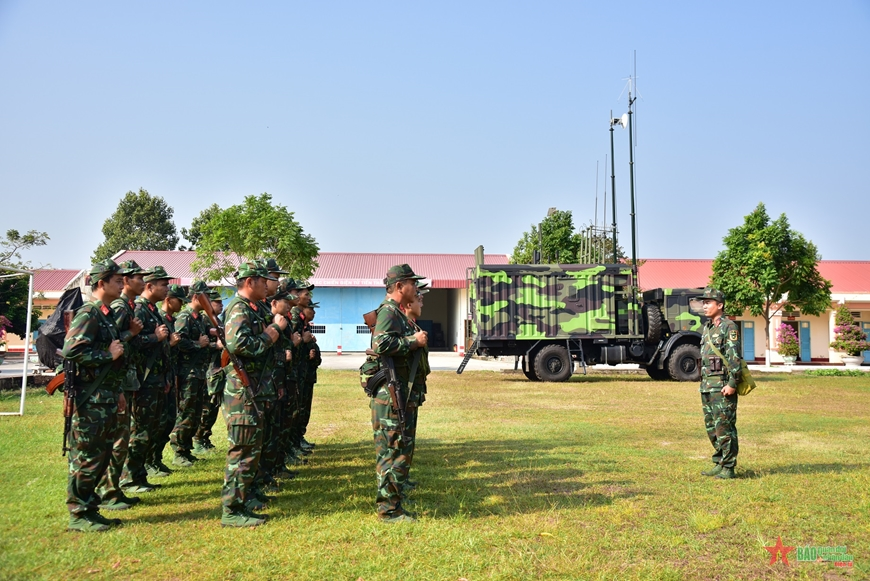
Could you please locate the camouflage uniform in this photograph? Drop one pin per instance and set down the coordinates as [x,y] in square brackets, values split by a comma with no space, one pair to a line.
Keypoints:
[123,314]
[246,339]
[95,414]
[720,412]
[193,361]
[215,380]
[311,364]
[169,407]
[154,374]
[394,337]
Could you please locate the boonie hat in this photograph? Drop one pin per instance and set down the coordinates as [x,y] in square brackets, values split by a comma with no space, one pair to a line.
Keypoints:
[176,291]
[103,269]
[198,288]
[249,269]
[129,267]
[272,266]
[712,293]
[157,273]
[400,272]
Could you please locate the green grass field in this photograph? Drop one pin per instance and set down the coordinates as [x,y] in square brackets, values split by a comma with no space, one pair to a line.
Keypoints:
[594,479]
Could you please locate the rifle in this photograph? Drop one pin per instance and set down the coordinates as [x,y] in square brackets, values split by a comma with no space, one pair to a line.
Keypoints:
[69,390]
[227,357]
[396,393]
[370,319]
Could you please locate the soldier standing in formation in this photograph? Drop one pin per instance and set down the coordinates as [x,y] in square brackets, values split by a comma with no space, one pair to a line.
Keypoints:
[215,379]
[193,359]
[302,337]
[312,362]
[153,374]
[720,373]
[414,310]
[396,337]
[249,338]
[92,343]
[176,297]
[128,326]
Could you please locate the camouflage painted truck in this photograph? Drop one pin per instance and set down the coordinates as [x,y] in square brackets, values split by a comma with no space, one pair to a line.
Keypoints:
[551,317]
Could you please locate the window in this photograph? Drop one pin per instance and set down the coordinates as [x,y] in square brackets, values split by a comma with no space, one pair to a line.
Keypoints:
[318,329]
[362,330]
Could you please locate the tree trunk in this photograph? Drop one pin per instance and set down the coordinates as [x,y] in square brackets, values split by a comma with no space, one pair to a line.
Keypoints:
[767,335]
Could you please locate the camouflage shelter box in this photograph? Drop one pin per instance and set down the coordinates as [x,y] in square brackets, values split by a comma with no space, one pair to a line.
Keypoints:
[551,317]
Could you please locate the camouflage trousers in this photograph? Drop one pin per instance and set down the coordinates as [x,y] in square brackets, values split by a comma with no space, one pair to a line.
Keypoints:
[191,393]
[110,483]
[211,408]
[720,419]
[243,459]
[91,437]
[145,408]
[271,434]
[392,454]
[164,427]
[307,397]
[289,420]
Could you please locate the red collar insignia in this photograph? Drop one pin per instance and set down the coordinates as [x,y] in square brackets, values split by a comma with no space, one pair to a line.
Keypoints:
[105,309]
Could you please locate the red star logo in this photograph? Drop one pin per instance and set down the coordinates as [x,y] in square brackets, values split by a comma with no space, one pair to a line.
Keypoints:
[779,548]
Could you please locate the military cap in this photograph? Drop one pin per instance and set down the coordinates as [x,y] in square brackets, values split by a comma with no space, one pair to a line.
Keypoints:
[249,269]
[129,267]
[176,291]
[272,266]
[285,290]
[214,295]
[157,273]
[400,272]
[198,288]
[103,269]
[313,305]
[422,287]
[712,293]
[303,284]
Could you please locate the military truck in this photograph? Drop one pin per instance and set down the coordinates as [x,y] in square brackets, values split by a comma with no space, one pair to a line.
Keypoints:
[555,317]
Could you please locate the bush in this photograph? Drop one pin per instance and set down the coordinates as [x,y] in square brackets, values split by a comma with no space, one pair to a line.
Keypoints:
[848,336]
[789,346]
[837,373]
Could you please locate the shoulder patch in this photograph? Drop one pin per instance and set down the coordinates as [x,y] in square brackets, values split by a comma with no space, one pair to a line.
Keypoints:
[732,335]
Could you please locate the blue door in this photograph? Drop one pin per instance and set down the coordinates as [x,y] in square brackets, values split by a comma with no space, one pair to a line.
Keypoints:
[806,354]
[866,328]
[747,333]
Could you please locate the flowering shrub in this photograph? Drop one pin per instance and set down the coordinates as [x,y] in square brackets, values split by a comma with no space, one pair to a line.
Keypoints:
[4,324]
[789,346]
[848,336]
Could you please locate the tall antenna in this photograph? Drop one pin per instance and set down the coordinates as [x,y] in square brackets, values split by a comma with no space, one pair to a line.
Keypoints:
[595,218]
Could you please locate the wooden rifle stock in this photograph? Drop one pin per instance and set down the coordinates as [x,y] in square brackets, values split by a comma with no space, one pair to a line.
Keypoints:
[370,319]
[227,357]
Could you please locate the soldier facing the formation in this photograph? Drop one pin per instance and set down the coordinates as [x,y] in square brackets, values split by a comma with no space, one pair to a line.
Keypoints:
[720,373]
[396,337]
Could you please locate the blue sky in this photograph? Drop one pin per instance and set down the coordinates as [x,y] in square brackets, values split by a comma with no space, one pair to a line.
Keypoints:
[435,127]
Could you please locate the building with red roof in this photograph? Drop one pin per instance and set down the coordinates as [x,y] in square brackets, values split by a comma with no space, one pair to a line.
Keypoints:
[351,283]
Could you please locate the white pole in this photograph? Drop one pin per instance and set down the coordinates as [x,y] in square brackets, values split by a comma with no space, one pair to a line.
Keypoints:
[26,344]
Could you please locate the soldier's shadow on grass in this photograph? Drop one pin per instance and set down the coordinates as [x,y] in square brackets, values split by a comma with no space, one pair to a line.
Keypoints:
[472,479]
[804,468]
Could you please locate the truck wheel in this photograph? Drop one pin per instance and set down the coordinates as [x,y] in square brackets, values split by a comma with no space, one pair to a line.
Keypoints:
[652,317]
[553,363]
[530,374]
[658,374]
[683,363]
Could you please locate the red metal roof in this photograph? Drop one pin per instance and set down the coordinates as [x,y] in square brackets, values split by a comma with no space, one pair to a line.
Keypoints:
[52,279]
[847,276]
[366,269]
[337,269]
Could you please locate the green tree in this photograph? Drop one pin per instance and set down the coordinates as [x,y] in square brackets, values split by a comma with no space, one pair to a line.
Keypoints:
[254,229]
[559,242]
[766,263]
[15,242]
[14,289]
[141,222]
[194,235]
